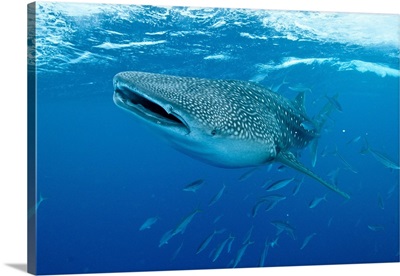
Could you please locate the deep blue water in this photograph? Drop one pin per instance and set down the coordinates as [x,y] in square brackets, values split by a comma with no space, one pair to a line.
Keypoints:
[103,173]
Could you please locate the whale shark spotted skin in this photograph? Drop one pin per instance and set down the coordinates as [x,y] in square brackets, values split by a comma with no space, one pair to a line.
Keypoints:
[227,123]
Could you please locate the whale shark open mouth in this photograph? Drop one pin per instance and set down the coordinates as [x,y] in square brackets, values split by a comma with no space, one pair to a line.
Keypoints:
[136,102]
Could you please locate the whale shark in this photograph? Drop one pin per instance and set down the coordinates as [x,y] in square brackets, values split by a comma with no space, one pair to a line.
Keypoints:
[226,123]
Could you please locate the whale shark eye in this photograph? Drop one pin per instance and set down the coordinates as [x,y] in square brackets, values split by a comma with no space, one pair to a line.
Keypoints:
[215,131]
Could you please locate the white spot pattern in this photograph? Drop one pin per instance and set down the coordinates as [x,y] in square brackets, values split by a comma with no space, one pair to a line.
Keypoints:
[240,109]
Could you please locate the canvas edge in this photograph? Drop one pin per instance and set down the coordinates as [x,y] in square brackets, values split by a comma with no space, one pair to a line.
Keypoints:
[31,139]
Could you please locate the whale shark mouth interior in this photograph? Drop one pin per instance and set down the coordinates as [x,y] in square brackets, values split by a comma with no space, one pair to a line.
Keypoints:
[146,108]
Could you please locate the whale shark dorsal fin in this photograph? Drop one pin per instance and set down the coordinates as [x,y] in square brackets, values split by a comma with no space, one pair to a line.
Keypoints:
[299,102]
[287,158]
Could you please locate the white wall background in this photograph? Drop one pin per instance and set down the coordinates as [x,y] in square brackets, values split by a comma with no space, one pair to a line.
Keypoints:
[13,130]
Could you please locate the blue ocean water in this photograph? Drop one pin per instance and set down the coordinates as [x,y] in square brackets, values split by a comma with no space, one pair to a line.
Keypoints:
[102,173]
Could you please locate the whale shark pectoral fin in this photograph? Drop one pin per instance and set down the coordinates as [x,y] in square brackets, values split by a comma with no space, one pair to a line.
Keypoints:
[288,159]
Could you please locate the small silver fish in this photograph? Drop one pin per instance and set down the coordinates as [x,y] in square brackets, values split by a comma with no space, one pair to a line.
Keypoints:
[270,205]
[207,241]
[268,182]
[283,226]
[264,254]
[148,223]
[194,186]
[219,249]
[248,235]
[273,200]
[232,238]
[297,187]
[276,88]
[333,100]
[316,201]
[247,174]
[307,240]
[218,218]
[274,242]
[32,211]
[181,227]
[324,152]
[279,184]
[281,168]
[256,206]
[380,202]
[354,140]
[333,175]
[383,159]
[313,152]
[330,222]
[240,253]
[177,252]
[299,88]
[307,125]
[166,237]
[391,190]
[217,196]
[348,166]
[376,227]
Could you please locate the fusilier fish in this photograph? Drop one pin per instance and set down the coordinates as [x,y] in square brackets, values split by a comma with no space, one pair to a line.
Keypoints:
[279,184]
[307,240]
[148,223]
[207,241]
[166,237]
[261,263]
[283,226]
[217,196]
[181,227]
[376,227]
[219,249]
[32,211]
[382,158]
[240,253]
[317,200]
[272,200]
[194,186]
[335,102]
